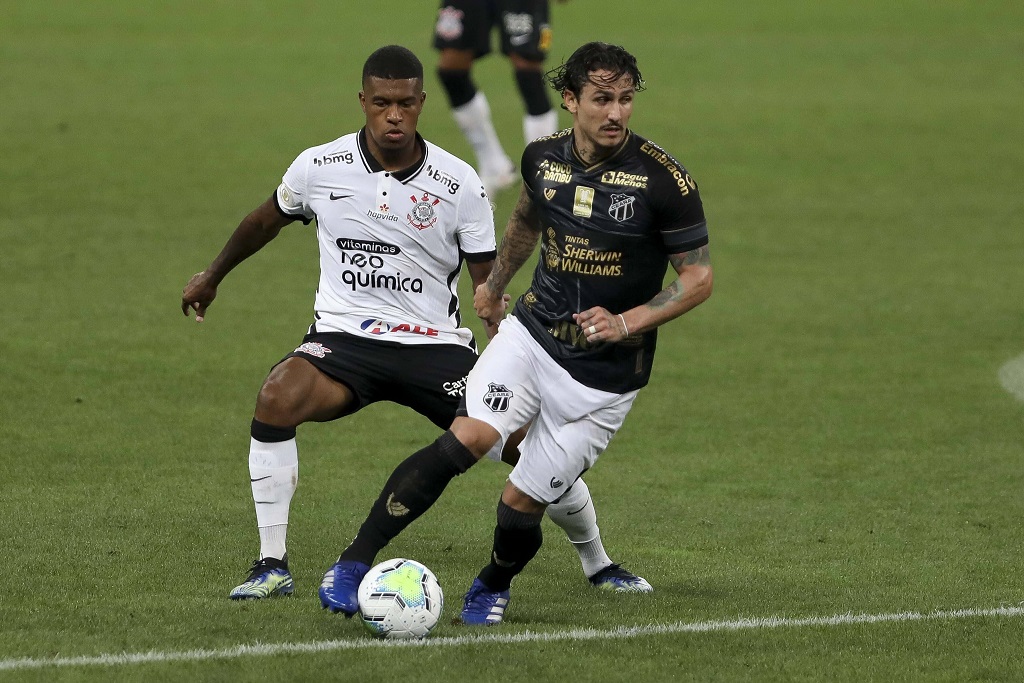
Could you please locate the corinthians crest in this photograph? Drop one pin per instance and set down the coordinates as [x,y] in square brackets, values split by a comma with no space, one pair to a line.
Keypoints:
[422,215]
[622,207]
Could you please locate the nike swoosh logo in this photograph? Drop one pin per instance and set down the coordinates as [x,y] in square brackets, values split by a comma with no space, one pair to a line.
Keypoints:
[339,196]
[262,478]
[576,512]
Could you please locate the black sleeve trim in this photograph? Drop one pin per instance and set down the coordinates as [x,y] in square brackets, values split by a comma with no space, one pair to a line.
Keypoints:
[480,257]
[678,240]
[703,225]
[294,217]
[690,246]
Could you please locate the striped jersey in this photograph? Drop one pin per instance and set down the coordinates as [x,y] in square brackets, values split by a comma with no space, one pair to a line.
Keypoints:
[391,243]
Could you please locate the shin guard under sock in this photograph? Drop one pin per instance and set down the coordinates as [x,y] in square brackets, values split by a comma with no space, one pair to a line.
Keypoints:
[517,538]
[409,492]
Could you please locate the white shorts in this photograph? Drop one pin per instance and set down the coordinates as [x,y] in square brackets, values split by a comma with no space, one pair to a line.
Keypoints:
[515,382]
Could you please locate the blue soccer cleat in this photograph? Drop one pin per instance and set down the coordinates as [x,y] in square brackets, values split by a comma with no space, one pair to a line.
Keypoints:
[482,606]
[339,591]
[618,579]
[268,577]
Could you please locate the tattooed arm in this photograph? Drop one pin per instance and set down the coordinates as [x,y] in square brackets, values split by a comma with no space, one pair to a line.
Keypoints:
[691,288]
[518,243]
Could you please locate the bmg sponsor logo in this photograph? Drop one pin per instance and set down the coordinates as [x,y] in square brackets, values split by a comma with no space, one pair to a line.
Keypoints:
[339,158]
[446,179]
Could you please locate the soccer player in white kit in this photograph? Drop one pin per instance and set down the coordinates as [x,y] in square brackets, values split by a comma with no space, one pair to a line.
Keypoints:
[396,216]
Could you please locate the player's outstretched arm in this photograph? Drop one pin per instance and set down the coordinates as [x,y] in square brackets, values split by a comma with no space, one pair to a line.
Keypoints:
[479,273]
[517,244]
[257,229]
[691,288]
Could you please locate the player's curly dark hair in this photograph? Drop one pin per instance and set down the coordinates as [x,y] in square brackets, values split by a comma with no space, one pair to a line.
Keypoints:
[575,72]
[393,62]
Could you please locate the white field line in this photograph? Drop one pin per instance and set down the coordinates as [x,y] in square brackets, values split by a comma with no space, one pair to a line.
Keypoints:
[498,638]
[1011,376]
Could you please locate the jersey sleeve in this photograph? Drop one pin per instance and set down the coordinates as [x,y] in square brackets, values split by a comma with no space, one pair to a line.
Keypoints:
[475,228]
[676,204]
[528,167]
[292,196]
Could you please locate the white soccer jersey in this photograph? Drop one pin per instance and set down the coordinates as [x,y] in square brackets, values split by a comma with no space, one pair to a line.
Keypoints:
[391,244]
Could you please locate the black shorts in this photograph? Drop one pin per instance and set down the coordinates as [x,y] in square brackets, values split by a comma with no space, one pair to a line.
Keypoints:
[467,24]
[429,378]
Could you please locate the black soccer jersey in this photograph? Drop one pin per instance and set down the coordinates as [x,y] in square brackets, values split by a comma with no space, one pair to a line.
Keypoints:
[607,231]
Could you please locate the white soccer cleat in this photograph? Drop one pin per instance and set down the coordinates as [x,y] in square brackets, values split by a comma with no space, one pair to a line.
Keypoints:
[618,579]
[495,183]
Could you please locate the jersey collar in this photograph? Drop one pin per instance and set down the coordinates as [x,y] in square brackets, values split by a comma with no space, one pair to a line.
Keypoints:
[373,166]
[575,155]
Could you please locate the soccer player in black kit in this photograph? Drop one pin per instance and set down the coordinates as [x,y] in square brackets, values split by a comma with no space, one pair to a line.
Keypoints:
[613,210]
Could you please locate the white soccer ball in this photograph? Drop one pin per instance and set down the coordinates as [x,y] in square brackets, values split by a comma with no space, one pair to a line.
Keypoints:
[400,599]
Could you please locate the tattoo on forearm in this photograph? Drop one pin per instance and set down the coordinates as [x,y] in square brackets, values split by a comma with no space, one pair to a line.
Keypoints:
[700,256]
[674,292]
[517,244]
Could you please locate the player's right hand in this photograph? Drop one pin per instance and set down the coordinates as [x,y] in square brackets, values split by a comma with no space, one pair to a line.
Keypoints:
[197,295]
[490,306]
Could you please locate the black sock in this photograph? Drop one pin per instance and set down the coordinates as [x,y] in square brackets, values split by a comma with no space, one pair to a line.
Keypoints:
[459,86]
[517,538]
[409,492]
[533,91]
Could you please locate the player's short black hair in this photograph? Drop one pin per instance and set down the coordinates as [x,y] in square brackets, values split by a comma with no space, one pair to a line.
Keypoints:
[393,62]
[575,72]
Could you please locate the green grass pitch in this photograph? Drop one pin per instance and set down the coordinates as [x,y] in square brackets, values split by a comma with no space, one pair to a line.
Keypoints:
[827,435]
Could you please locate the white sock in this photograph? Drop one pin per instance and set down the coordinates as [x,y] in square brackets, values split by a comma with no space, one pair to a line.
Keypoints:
[576,515]
[274,473]
[540,126]
[272,541]
[474,119]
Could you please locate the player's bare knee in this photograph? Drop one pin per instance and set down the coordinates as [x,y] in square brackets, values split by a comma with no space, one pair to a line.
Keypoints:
[275,405]
[477,436]
[455,59]
[517,499]
[281,397]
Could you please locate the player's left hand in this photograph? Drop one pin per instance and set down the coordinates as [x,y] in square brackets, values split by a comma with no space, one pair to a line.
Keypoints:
[600,325]
[198,294]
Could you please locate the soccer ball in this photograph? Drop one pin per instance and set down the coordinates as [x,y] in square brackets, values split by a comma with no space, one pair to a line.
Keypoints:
[400,599]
